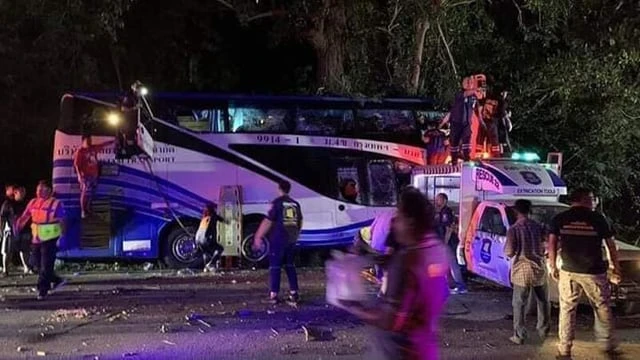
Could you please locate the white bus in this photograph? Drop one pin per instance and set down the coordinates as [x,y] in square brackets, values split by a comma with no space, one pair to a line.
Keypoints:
[232,150]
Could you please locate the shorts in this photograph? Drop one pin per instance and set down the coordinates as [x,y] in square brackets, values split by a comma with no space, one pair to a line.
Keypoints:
[88,184]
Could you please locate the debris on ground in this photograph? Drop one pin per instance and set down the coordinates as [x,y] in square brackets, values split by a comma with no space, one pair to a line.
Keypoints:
[147,266]
[185,272]
[275,332]
[169,342]
[41,353]
[62,315]
[165,329]
[22,349]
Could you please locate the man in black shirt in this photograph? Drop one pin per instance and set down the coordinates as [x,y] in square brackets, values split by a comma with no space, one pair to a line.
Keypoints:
[578,234]
[283,224]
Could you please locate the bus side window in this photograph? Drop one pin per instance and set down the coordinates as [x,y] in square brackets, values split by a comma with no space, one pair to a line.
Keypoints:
[323,121]
[348,184]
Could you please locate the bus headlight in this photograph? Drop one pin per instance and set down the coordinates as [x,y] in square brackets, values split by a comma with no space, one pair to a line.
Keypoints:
[113,119]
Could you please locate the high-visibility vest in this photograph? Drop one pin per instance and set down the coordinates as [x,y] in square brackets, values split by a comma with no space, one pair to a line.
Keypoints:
[43,223]
[365,234]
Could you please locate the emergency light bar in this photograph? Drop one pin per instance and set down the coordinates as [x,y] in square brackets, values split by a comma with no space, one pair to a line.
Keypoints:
[527,156]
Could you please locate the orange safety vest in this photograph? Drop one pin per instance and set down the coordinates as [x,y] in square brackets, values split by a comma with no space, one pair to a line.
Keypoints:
[43,224]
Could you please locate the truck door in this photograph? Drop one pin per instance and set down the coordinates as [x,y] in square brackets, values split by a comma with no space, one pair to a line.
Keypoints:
[487,245]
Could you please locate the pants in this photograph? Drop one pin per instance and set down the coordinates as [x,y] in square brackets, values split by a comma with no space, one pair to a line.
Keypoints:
[282,255]
[489,135]
[520,299]
[87,187]
[596,288]
[211,252]
[460,140]
[45,254]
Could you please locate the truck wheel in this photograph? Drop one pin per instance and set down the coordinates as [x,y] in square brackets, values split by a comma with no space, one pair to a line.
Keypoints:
[180,250]
[259,257]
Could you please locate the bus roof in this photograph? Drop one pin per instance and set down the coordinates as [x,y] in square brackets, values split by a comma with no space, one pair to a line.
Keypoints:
[209,99]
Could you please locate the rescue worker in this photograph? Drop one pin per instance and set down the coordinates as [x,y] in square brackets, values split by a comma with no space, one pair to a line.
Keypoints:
[579,232]
[436,144]
[445,222]
[488,137]
[465,119]
[22,239]
[283,224]
[207,238]
[504,124]
[525,248]
[6,223]
[47,225]
[15,242]
[85,162]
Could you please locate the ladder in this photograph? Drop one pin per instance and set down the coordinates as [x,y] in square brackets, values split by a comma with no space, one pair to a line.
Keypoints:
[96,229]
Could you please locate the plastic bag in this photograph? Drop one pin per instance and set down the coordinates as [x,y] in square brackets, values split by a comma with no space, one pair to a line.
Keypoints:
[344,279]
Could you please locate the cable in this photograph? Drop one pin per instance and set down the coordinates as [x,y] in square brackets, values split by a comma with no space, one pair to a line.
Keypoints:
[147,162]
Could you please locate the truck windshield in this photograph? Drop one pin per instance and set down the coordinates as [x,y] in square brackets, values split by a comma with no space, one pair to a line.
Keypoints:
[540,213]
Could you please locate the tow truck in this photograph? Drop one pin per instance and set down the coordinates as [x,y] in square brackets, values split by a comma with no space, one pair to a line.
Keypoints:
[482,194]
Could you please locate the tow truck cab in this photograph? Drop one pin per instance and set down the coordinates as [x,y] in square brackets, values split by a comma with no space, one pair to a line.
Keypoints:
[482,194]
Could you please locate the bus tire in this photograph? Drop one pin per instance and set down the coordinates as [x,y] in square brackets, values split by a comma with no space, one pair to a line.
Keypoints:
[255,258]
[179,249]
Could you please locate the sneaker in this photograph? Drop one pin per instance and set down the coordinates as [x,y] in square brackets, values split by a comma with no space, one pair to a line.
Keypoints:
[458,290]
[210,268]
[41,297]
[516,340]
[293,299]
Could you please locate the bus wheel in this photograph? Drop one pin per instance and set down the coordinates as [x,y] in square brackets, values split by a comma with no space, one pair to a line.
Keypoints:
[255,257]
[180,250]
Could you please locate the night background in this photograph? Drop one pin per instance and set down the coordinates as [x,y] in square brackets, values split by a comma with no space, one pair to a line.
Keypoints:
[572,67]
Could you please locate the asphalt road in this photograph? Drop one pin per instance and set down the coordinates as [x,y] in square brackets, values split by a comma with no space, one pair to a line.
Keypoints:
[162,315]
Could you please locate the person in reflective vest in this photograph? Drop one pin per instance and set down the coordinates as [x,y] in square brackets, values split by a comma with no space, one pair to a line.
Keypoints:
[465,119]
[47,226]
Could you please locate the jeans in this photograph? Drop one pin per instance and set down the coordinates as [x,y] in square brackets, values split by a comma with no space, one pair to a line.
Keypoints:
[45,254]
[520,299]
[596,288]
[282,255]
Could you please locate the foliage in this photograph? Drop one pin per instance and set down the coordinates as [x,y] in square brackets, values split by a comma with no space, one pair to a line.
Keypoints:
[572,66]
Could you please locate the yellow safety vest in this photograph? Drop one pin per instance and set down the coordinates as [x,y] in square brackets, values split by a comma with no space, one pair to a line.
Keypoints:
[365,234]
[43,226]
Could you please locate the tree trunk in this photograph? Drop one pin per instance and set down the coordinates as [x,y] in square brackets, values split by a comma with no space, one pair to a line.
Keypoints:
[413,82]
[328,38]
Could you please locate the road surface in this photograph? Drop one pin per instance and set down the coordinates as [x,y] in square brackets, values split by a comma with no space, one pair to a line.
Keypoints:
[163,315]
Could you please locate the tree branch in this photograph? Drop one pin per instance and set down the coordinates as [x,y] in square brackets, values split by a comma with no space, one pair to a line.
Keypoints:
[446,45]
[226,4]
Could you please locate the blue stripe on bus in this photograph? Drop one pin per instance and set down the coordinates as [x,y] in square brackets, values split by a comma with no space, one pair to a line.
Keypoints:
[129,185]
[143,174]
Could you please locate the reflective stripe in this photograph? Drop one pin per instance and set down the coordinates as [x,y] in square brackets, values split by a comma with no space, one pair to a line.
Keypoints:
[48,232]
